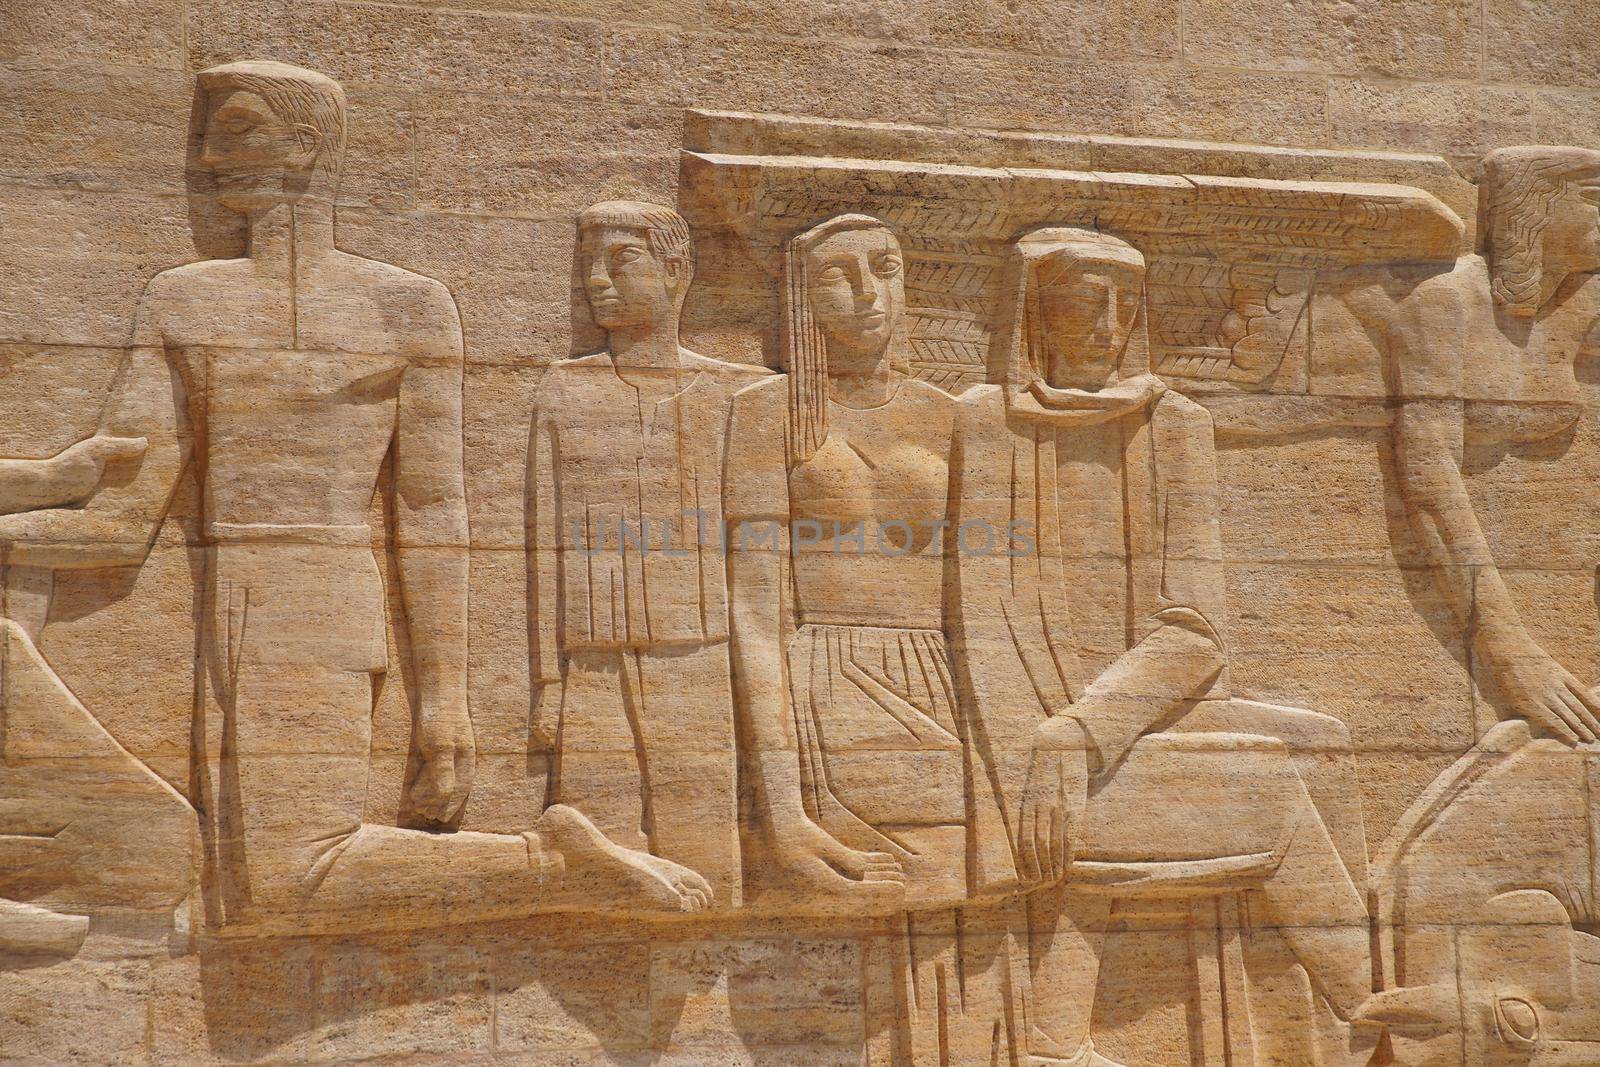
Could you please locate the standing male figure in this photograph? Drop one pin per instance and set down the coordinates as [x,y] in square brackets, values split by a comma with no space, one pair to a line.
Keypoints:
[628,595]
[305,370]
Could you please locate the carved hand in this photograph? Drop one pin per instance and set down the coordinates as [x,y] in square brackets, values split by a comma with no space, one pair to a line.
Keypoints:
[1052,799]
[448,756]
[104,448]
[80,466]
[1549,696]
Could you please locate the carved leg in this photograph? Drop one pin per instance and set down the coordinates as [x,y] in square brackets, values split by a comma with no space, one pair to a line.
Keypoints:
[1066,933]
[83,823]
[28,930]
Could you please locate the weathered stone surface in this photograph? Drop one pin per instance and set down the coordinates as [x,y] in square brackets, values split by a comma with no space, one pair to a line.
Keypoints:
[1071,543]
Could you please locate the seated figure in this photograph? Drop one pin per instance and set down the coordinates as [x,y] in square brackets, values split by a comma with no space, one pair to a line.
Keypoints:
[1092,641]
[85,827]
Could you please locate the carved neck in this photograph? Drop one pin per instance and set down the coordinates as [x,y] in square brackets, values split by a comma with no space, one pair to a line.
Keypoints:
[645,348]
[290,233]
[860,378]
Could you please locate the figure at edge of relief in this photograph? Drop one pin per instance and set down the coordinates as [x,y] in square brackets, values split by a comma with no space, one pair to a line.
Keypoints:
[1520,313]
[1497,849]
[1098,667]
[304,368]
[86,827]
[628,594]
[865,762]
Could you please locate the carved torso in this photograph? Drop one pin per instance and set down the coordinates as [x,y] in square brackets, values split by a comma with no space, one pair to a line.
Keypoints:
[292,388]
[622,469]
[882,474]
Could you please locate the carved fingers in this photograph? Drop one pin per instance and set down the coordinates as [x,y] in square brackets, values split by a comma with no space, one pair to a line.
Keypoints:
[448,763]
[1041,835]
[1578,709]
[1552,698]
[1056,777]
[104,448]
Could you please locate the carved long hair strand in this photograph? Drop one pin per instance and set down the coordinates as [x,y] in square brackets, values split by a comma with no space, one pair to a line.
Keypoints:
[805,349]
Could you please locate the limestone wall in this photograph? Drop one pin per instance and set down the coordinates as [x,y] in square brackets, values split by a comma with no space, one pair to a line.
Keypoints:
[476,132]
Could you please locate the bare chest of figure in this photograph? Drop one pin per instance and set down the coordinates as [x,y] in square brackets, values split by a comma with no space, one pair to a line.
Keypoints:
[294,408]
[874,499]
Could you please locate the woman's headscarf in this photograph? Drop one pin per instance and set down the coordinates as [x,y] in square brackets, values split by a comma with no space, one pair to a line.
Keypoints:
[1020,350]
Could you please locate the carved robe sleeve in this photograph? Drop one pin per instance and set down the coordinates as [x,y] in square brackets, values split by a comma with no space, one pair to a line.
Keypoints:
[1180,652]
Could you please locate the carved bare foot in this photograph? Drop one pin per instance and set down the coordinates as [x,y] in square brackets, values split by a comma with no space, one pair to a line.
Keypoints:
[823,870]
[645,881]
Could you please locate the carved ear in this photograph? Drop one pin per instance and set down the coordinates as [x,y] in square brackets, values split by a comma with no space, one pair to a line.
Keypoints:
[678,273]
[308,137]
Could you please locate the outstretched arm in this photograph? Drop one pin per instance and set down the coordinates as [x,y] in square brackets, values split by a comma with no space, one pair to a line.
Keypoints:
[66,478]
[430,508]
[1427,334]
[125,475]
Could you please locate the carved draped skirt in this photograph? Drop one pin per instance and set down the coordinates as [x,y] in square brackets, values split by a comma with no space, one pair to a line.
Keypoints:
[887,765]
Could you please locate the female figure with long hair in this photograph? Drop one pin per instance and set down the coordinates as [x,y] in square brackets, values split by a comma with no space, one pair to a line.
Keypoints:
[862,766]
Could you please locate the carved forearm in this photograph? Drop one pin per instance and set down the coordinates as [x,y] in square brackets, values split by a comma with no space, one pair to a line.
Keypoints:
[768,745]
[71,540]
[1147,686]
[433,583]
[1440,514]
[26,484]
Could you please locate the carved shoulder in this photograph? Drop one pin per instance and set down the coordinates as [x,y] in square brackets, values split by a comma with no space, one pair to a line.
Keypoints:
[764,402]
[735,374]
[424,304]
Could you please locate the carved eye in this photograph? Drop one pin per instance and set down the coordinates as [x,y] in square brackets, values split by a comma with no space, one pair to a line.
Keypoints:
[886,265]
[239,126]
[831,274]
[627,255]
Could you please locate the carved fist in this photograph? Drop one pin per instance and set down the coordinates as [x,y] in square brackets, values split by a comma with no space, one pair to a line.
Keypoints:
[81,465]
[103,448]
[448,755]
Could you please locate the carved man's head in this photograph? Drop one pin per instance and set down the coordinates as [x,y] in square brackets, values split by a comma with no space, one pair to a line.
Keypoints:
[273,133]
[636,261]
[1082,299]
[1540,221]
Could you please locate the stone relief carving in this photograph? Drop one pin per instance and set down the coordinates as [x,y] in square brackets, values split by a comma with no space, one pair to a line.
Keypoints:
[923,630]
[628,599]
[1120,472]
[85,823]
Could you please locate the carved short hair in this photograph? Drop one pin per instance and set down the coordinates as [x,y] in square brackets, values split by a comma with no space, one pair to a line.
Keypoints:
[1519,187]
[295,94]
[664,229]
